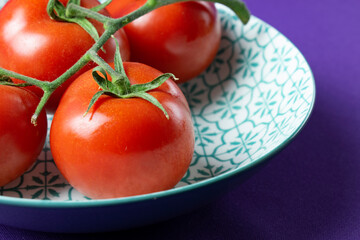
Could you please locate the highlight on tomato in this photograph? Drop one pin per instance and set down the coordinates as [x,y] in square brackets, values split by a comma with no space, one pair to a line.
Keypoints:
[20,141]
[181,38]
[33,44]
[132,141]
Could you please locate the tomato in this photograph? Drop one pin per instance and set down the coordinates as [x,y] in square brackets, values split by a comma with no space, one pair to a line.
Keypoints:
[20,141]
[122,147]
[181,38]
[34,45]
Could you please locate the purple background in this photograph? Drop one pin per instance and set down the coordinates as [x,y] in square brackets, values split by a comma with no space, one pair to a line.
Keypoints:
[311,190]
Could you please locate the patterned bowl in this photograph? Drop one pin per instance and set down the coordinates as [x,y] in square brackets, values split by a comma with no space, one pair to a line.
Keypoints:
[253,99]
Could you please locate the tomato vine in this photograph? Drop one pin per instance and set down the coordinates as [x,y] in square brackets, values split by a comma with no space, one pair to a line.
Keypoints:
[73,12]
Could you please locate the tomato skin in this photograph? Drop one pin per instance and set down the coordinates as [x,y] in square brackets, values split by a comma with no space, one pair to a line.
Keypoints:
[34,45]
[122,147]
[20,141]
[181,38]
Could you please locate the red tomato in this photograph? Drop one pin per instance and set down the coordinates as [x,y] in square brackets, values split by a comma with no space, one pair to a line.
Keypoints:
[122,147]
[20,141]
[181,38]
[34,45]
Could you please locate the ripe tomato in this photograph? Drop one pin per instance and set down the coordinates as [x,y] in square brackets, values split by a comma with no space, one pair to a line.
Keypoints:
[181,38]
[122,147]
[20,141]
[34,45]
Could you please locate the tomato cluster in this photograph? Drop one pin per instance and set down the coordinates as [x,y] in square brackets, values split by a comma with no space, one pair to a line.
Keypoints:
[123,146]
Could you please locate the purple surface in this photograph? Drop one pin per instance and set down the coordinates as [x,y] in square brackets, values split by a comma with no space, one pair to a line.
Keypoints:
[311,190]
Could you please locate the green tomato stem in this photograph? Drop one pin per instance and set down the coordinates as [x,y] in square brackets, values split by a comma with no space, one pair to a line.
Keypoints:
[27,79]
[74,10]
[99,61]
[39,108]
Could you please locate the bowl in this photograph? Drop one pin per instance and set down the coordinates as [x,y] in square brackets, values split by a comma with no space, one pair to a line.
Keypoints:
[249,104]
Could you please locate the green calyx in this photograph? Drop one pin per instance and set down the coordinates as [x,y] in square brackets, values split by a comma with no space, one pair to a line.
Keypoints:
[57,11]
[121,87]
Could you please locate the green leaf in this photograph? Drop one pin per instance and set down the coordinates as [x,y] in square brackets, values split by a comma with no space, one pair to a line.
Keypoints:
[243,12]
[150,99]
[103,82]
[101,6]
[87,26]
[102,71]
[94,99]
[60,10]
[157,82]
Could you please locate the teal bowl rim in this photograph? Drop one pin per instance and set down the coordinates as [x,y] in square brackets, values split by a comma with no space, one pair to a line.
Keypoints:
[35,203]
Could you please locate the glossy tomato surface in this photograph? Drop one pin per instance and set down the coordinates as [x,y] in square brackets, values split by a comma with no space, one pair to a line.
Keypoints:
[122,147]
[181,38]
[20,141]
[34,45]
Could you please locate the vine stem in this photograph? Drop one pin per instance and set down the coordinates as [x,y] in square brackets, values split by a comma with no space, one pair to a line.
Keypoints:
[27,79]
[74,10]
[99,61]
[40,106]
[111,25]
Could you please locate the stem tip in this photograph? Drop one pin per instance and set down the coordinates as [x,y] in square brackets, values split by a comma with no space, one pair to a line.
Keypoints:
[34,119]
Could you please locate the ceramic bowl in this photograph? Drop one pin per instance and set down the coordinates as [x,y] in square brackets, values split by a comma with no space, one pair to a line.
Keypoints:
[250,103]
